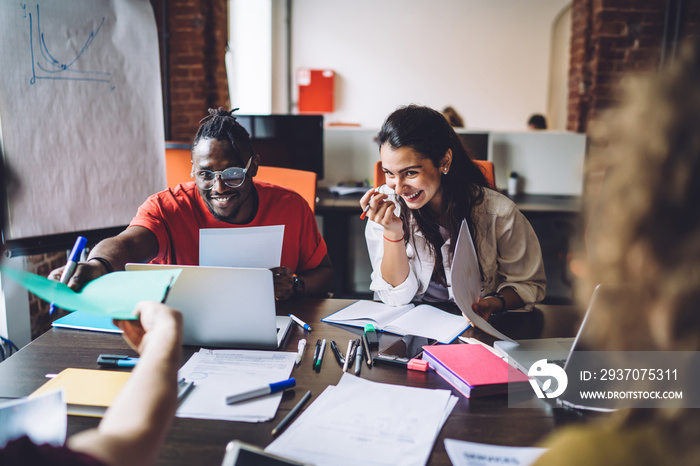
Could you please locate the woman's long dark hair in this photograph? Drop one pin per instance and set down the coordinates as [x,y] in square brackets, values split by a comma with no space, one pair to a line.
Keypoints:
[427,132]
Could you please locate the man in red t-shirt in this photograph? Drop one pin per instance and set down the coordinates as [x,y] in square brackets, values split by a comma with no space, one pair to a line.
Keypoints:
[222,195]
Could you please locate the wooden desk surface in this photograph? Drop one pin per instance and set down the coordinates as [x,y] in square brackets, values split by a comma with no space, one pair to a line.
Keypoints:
[202,442]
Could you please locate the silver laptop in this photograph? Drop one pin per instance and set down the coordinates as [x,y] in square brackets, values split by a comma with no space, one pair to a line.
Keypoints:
[228,307]
[524,353]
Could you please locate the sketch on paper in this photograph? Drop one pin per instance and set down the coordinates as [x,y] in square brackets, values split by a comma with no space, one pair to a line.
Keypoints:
[46,65]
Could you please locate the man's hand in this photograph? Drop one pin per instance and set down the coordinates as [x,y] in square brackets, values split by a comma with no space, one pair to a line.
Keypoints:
[84,273]
[284,282]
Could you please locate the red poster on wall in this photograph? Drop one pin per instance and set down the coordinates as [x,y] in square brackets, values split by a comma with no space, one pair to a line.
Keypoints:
[315,90]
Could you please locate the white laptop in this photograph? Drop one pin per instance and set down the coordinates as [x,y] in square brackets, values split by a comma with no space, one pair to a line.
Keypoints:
[228,307]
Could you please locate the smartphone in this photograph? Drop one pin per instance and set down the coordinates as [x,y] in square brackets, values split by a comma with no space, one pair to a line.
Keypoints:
[403,350]
[242,454]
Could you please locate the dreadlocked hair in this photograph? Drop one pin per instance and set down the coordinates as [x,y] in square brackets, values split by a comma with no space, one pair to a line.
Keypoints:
[220,124]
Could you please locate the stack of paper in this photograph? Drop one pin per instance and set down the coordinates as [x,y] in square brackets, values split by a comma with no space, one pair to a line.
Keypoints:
[363,422]
[219,373]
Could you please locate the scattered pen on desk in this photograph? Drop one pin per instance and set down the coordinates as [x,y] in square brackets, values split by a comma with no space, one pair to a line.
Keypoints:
[338,355]
[368,353]
[347,356]
[316,351]
[358,359]
[72,263]
[183,388]
[283,424]
[300,350]
[319,361]
[261,391]
[116,360]
[300,322]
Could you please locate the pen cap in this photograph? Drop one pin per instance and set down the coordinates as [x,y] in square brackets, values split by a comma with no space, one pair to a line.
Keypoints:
[77,249]
[285,384]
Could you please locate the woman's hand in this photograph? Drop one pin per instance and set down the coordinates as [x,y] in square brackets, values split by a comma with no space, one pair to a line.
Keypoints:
[487,306]
[381,211]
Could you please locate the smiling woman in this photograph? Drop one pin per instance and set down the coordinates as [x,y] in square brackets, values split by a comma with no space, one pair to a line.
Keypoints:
[431,186]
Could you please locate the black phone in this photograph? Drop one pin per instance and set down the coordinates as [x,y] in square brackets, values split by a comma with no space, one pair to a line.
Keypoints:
[403,350]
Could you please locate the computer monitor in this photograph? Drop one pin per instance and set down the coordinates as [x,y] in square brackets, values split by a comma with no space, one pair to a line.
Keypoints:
[289,141]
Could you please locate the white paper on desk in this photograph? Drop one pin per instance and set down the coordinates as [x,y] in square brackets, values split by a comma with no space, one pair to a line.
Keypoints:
[363,422]
[463,453]
[466,281]
[42,419]
[219,373]
[257,247]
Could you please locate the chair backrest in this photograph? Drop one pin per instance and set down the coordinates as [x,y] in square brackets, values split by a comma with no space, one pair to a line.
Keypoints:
[485,166]
[300,181]
[178,163]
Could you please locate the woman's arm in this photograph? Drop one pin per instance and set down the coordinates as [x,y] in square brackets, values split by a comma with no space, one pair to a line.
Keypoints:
[136,424]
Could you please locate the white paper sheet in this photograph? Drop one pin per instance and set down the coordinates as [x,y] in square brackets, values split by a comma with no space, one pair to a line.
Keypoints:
[42,419]
[463,453]
[81,112]
[363,422]
[258,247]
[220,373]
[466,281]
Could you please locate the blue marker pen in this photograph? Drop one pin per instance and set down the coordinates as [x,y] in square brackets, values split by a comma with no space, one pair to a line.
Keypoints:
[72,263]
[262,391]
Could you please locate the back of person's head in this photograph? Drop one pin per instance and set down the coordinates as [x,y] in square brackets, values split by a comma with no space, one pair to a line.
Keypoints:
[222,125]
[453,117]
[537,121]
[647,234]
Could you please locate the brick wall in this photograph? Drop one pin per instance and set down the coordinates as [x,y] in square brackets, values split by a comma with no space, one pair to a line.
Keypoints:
[197,36]
[610,38]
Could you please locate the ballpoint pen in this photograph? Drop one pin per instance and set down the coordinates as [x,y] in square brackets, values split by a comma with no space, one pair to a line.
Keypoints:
[319,361]
[292,413]
[316,352]
[72,263]
[300,322]
[347,355]
[366,209]
[116,360]
[184,388]
[358,359]
[368,353]
[300,350]
[338,355]
[261,391]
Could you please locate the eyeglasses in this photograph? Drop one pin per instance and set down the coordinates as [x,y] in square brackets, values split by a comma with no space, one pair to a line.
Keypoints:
[232,177]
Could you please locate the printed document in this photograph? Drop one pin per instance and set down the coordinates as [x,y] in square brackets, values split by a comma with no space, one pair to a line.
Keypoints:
[256,247]
[363,422]
[219,373]
[463,453]
[42,419]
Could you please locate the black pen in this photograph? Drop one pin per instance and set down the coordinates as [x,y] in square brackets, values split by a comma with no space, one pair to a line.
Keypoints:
[167,290]
[358,359]
[370,361]
[316,351]
[292,413]
[338,355]
[319,361]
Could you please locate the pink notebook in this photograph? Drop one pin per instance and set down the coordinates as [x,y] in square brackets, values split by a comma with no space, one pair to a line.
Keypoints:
[474,370]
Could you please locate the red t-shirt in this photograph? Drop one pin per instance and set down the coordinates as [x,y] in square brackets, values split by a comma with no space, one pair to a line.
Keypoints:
[177,214]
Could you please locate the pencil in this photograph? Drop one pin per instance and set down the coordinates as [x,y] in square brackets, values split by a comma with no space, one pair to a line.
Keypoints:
[282,425]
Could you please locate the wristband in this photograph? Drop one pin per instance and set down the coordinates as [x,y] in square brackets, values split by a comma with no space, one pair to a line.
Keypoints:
[105,263]
[392,240]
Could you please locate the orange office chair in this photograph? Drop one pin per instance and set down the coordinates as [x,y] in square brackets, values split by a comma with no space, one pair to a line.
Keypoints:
[178,163]
[485,166]
[300,181]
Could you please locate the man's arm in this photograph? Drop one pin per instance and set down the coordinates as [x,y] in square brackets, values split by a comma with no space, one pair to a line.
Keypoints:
[317,282]
[135,244]
[136,424]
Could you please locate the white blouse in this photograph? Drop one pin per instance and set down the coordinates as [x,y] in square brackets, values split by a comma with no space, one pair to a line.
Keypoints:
[508,249]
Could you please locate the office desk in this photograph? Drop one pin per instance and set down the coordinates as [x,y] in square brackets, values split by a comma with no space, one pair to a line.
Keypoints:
[553,217]
[202,442]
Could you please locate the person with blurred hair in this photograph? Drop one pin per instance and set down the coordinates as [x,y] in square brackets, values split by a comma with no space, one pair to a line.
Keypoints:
[537,121]
[432,185]
[646,237]
[134,427]
[453,117]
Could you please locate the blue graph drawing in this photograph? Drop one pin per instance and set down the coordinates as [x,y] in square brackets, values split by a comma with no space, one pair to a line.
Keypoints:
[46,66]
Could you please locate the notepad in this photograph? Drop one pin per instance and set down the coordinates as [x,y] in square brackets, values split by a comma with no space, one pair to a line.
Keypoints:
[474,370]
[422,320]
[88,392]
[79,320]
